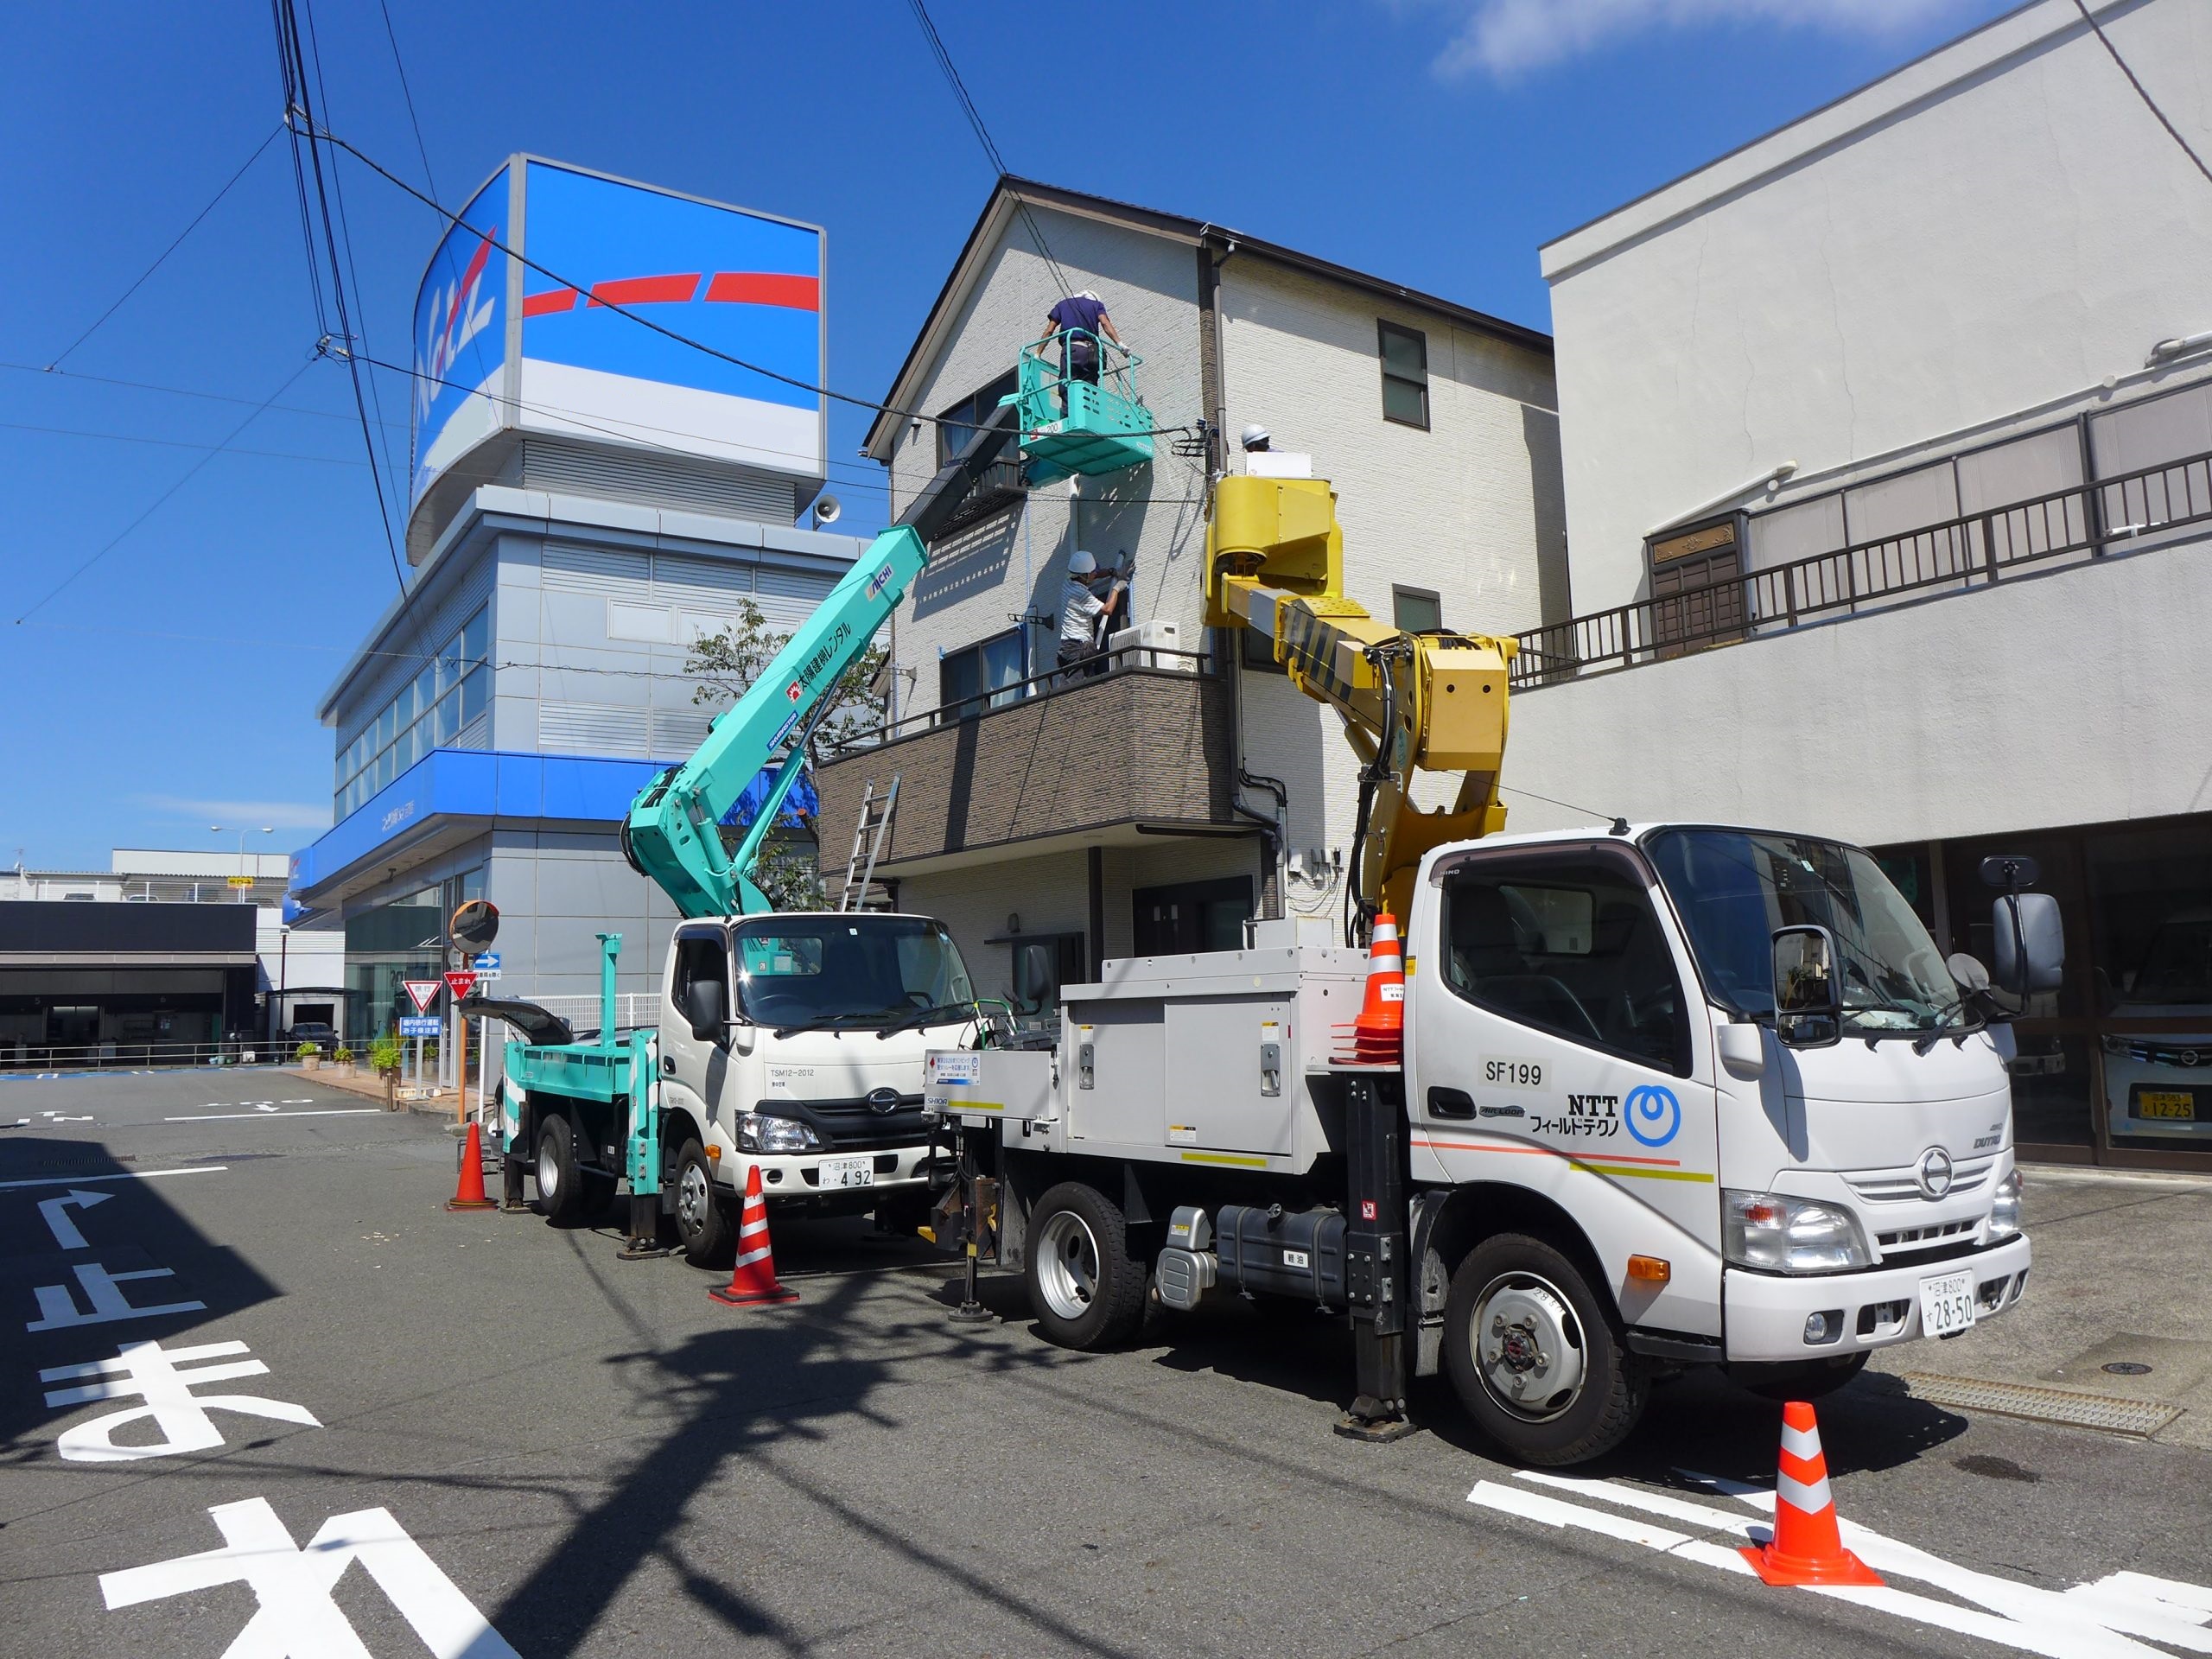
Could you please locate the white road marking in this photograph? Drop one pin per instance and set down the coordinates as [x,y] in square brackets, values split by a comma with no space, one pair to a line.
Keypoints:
[124,1175]
[260,1111]
[58,1308]
[64,1230]
[296,1616]
[150,1371]
[2094,1621]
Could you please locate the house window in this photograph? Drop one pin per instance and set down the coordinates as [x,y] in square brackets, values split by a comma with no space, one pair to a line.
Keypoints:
[1000,487]
[1696,591]
[1405,375]
[1257,651]
[1416,610]
[980,677]
[1191,916]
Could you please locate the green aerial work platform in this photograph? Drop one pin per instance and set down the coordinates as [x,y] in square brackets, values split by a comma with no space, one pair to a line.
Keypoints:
[1070,424]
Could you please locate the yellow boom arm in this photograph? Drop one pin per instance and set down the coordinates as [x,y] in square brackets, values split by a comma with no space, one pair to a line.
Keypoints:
[1410,702]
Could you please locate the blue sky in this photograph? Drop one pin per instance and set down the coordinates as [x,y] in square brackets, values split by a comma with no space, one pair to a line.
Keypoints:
[173,685]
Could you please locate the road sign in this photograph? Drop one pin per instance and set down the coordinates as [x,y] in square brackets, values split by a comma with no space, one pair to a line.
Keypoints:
[240,880]
[486,965]
[419,1025]
[460,982]
[423,991]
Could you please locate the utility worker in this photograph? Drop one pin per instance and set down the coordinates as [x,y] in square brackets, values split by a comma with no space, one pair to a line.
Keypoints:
[1082,317]
[1084,617]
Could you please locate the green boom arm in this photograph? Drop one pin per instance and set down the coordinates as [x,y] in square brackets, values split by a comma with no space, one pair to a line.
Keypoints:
[673,832]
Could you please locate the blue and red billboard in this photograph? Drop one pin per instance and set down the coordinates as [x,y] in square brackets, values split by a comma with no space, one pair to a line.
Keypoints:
[538,345]
[460,336]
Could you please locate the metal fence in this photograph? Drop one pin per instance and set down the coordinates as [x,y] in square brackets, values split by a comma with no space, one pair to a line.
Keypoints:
[1126,659]
[17,1056]
[1976,550]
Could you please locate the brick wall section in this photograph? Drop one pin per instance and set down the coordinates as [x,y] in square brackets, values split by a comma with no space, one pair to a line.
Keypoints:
[1139,745]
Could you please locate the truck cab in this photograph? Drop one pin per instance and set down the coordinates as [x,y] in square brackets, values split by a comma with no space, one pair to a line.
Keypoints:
[814,1071]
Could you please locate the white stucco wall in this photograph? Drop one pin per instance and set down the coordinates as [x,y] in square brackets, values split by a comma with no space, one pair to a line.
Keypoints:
[1468,509]
[2074,697]
[1982,238]
[1015,564]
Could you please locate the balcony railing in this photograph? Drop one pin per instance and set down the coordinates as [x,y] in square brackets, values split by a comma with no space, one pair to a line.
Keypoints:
[1976,550]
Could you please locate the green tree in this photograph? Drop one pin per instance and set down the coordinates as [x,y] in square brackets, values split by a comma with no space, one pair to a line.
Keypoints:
[726,666]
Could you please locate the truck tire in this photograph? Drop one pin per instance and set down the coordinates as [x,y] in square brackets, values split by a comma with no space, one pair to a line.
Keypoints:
[1085,1290]
[704,1226]
[1535,1354]
[563,1194]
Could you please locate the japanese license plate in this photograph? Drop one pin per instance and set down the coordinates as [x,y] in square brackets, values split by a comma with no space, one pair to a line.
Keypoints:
[2178,1104]
[1946,1305]
[848,1172]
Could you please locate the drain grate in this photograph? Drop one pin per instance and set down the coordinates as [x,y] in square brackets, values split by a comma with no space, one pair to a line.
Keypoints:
[2104,1411]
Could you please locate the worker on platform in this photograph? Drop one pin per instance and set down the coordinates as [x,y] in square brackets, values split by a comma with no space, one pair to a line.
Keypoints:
[1082,318]
[1086,620]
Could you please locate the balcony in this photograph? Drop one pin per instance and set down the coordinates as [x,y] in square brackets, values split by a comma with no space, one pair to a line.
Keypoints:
[1138,745]
[2110,515]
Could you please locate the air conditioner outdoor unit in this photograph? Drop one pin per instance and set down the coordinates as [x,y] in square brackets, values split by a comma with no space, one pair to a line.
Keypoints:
[1152,644]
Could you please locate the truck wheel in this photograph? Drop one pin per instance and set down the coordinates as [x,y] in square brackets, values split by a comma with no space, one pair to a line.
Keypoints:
[1535,1355]
[1811,1379]
[561,1190]
[703,1222]
[1083,1288]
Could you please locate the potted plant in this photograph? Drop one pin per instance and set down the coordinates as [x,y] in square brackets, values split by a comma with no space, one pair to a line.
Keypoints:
[383,1060]
[309,1055]
[343,1057]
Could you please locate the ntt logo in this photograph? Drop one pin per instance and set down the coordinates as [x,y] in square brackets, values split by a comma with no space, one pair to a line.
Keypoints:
[1654,1116]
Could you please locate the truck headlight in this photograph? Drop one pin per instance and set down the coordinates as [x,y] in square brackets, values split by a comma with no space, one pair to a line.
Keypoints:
[2005,1207]
[1776,1233]
[775,1135]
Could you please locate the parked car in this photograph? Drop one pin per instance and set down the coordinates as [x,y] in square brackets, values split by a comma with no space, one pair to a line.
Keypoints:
[312,1031]
[2160,1082]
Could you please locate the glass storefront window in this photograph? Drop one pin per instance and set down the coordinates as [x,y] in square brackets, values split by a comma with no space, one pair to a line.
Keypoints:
[429,711]
[2151,897]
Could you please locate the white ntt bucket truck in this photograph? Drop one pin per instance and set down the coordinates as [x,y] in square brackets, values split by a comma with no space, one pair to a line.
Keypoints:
[1669,1095]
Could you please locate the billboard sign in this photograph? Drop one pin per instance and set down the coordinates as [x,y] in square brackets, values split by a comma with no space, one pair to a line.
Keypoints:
[746,285]
[460,345]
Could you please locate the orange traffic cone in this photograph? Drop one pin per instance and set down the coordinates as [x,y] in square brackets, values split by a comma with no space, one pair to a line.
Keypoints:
[469,1194]
[752,1277]
[1807,1546]
[1378,1035]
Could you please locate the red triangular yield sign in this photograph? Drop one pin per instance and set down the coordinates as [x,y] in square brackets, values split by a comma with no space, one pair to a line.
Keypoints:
[424,991]
[460,982]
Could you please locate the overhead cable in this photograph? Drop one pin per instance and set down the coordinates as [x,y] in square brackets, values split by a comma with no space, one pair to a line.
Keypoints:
[243,168]
[2149,103]
[190,472]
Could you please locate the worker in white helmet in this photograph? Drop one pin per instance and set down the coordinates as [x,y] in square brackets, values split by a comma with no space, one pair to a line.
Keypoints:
[1086,619]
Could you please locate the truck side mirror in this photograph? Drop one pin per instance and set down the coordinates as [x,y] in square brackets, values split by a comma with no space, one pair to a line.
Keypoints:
[1807,987]
[703,1009]
[2029,944]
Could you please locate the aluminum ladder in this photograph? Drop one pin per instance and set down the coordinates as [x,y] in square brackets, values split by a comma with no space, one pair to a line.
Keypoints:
[868,831]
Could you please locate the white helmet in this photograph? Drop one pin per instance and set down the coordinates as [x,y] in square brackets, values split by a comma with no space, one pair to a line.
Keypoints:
[1253,436]
[1080,563]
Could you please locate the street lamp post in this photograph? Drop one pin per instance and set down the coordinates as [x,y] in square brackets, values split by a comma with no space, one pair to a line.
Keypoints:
[245,890]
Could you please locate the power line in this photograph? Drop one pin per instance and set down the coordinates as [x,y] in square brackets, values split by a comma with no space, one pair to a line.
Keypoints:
[407,92]
[179,391]
[299,112]
[190,472]
[243,168]
[983,136]
[169,443]
[2149,103]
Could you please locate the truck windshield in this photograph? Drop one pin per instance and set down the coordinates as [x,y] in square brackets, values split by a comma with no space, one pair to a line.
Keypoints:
[839,970]
[1733,888]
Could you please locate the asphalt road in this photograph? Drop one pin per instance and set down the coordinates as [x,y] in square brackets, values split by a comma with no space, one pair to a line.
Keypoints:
[477,1435]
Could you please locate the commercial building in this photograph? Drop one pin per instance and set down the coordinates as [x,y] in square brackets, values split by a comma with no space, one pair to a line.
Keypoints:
[1052,821]
[84,986]
[1888,451]
[589,498]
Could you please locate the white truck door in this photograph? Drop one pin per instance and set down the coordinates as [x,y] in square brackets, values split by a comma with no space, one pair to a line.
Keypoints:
[693,1070]
[1556,1045]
